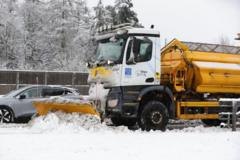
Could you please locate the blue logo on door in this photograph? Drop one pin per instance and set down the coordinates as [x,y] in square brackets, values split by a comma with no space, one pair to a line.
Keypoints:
[128,72]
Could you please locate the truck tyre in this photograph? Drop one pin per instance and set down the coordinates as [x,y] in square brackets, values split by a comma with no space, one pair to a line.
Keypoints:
[211,122]
[118,121]
[154,116]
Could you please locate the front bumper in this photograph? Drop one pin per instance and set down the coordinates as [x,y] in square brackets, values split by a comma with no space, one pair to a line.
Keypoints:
[118,106]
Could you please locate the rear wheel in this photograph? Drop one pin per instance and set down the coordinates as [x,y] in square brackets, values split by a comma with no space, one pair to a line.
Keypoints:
[118,121]
[6,115]
[211,122]
[154,116]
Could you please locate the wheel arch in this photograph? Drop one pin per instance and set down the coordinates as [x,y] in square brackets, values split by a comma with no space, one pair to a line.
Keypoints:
[159,93]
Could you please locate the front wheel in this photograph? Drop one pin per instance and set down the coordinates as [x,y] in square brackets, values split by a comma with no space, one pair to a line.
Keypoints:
[154,116]
[6,115]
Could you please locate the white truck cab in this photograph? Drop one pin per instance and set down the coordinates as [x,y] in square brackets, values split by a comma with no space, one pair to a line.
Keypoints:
[119,63]
[127,64]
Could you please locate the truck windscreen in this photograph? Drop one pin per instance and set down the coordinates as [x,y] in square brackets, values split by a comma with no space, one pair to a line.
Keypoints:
[110,50]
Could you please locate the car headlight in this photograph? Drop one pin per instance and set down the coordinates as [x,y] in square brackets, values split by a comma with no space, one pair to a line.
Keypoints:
[112,102]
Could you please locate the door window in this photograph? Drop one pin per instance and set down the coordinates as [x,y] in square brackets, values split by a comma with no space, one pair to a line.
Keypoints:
[145,51]
[48,92]
[32,93]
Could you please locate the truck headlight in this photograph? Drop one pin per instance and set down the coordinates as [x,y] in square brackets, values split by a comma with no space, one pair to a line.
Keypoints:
[112,102]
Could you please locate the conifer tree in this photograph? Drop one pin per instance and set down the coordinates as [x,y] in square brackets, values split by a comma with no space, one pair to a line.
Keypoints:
[125,14]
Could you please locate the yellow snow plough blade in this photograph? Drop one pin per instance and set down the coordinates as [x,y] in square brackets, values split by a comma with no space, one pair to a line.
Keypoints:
[43,108]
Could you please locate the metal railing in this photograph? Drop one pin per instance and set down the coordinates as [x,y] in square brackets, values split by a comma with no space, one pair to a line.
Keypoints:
[231,117]
[14,79]
[205,47]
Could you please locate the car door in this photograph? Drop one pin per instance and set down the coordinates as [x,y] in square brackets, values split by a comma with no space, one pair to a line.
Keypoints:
[23,104]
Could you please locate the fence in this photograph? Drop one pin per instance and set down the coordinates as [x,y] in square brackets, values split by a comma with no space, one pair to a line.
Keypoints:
[10,80]
[231,117]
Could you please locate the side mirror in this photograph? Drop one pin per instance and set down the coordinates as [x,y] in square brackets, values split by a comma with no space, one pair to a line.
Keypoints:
[22,96]
[136,46]
[88,65]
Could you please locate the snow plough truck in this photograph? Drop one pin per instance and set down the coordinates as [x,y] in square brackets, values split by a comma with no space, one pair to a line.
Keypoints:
[148,85]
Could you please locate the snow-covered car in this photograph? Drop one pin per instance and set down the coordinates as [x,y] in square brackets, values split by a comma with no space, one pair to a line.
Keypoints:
[17,105]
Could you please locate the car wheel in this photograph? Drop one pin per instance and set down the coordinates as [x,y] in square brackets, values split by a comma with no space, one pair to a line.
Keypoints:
[6,115]
[154,116]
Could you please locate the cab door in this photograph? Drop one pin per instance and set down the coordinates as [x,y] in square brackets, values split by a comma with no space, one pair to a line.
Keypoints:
[140,69]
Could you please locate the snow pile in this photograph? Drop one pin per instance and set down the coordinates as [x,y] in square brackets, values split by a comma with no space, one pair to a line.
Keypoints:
[230,99]
[200,129]
[59,122]
[59,99]
[70,123]
[63,136]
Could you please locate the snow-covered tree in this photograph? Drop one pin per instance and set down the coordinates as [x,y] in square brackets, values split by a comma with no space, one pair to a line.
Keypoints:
[69,26]
[125,14]
[121,12]
[10,35]
[224,40]
[34,43]
[99,14]
[53,34]
[111,15]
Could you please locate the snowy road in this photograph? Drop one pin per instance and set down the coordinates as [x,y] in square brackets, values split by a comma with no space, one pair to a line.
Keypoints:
[64,137]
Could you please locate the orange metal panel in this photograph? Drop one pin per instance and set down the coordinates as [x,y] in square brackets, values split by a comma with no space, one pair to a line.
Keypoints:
[44,107]
[196,104]
[198,116]
[205,72]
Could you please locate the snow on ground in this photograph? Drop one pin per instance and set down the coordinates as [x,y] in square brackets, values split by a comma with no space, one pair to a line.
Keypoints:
[61,136]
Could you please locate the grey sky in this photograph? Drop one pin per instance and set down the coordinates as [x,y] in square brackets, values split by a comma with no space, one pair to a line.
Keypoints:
[189,20]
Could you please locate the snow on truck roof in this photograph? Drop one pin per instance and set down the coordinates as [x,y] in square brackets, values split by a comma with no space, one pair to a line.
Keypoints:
[202,47]
[128,29]
[143,31]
